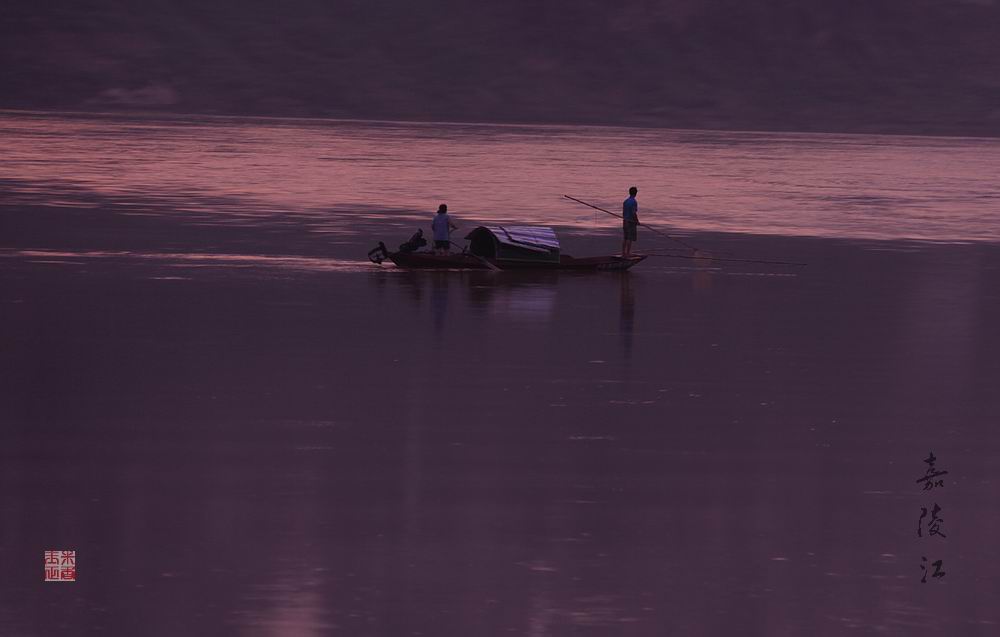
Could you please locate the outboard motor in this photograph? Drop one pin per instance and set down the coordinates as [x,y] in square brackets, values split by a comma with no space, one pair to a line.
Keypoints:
[416,241]
[378,254]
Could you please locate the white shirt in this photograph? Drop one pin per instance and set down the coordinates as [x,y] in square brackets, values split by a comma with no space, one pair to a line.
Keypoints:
[440,225]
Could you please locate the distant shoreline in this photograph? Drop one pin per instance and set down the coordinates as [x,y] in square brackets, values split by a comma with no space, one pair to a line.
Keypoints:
[958,133]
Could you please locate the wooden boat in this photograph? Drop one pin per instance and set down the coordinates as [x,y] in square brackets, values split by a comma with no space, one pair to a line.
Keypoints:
[505,248]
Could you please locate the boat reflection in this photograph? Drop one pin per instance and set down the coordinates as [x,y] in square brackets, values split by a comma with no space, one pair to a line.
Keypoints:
[626,323]
[514,296]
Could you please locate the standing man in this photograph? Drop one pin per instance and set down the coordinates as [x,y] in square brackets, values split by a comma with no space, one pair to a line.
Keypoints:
[442,227]
[630,220]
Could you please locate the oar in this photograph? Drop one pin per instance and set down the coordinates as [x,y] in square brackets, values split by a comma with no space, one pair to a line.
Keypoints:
[476,257]
[686,245]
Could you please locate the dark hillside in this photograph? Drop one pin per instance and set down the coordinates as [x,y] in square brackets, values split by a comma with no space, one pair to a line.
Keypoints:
[917,66]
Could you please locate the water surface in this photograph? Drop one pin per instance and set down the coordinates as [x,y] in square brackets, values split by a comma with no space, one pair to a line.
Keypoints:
[243,427]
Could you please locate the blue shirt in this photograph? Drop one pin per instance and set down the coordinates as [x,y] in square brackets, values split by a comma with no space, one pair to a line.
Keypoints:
[440,226]
[630,210]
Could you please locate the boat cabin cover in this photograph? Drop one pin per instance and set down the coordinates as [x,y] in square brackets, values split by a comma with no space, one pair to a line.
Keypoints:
[515,243]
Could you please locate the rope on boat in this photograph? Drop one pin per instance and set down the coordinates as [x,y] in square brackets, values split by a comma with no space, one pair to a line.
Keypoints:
[482,260]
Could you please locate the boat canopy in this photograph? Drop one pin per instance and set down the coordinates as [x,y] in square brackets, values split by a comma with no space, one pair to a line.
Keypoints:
[515,243]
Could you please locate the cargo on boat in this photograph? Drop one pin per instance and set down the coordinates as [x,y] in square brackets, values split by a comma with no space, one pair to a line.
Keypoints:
[504,248]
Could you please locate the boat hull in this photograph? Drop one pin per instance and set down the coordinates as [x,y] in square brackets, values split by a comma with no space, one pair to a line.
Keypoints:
[469,262]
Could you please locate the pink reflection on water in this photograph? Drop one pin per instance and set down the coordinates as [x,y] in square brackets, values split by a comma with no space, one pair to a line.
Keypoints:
[195,259]
[858,186]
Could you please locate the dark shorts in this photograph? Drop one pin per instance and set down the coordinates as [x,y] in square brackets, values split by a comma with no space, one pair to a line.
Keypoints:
[629,229]
[443,245]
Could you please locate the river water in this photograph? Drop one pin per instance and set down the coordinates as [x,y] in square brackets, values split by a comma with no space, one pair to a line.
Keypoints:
[243,427]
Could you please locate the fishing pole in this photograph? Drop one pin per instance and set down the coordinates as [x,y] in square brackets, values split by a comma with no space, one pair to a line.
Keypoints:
[686,256]
[686,245]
